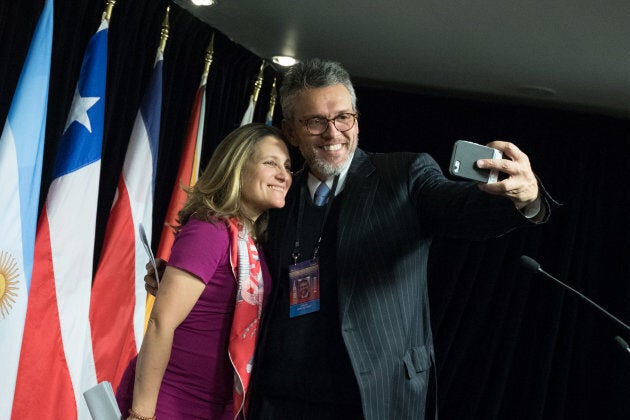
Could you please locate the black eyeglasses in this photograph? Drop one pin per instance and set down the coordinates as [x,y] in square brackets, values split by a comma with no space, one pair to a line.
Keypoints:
[319,125]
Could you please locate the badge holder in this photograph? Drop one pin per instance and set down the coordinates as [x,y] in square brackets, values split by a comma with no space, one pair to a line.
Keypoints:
[304,275]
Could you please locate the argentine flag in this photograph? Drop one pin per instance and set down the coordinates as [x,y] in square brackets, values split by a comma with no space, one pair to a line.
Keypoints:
[21,152]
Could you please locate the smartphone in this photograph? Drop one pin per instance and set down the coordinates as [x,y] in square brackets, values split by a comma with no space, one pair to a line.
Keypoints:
[464,161]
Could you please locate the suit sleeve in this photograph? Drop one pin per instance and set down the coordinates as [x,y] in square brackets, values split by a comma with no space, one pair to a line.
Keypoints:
[459,208]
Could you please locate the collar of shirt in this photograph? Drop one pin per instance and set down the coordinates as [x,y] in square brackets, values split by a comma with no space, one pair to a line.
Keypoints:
[313,182]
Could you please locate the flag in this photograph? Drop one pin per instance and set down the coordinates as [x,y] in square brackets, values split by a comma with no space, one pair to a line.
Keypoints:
[187,173]
[118,300]
[248,117]
[56,363]
[21,154]
[188,170]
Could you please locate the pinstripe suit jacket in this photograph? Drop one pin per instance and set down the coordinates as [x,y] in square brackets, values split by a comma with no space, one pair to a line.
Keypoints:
[392,206]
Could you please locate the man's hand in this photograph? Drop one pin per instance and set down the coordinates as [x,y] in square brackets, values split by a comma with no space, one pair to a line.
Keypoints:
[520,186]
[150,281]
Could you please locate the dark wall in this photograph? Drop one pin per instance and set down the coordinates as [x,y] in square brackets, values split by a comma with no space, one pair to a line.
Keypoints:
[509,344]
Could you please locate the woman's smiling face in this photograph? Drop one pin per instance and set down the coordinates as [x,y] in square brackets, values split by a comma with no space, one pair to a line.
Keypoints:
[266,177]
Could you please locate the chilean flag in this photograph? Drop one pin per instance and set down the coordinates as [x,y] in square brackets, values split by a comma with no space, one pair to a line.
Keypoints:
[56,363]
[118,302]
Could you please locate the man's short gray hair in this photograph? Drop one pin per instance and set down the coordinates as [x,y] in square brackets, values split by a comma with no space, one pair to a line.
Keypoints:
[308,74]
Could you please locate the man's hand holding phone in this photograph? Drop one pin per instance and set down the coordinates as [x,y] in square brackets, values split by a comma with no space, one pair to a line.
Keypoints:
[520,184]
[464,160]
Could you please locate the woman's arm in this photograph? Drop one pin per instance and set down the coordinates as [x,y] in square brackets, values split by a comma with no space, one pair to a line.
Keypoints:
[178,293]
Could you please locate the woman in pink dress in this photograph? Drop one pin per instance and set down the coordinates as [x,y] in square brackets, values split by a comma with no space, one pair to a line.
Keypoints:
[197,352]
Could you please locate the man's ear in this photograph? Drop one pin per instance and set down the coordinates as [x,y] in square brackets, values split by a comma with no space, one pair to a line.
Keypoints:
[289,133]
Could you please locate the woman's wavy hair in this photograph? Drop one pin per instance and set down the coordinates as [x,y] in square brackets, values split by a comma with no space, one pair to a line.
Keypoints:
[217,193]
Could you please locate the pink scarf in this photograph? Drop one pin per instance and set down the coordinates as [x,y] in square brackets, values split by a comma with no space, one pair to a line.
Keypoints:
[245,263]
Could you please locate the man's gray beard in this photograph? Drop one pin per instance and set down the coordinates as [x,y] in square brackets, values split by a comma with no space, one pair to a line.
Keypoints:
[325,169]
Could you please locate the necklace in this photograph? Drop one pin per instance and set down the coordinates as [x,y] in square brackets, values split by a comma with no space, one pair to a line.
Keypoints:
[251,227]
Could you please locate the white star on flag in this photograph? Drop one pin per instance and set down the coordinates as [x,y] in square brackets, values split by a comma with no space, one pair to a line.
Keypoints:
[79,109]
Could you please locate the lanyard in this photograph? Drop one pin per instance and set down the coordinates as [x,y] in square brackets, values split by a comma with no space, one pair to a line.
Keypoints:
[296,247]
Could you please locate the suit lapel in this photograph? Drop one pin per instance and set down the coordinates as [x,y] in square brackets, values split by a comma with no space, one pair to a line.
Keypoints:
[359,192]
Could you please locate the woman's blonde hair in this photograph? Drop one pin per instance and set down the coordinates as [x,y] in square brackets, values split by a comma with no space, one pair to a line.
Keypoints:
[217,193]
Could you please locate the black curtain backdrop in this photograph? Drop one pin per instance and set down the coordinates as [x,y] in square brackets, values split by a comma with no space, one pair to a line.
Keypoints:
[510,345]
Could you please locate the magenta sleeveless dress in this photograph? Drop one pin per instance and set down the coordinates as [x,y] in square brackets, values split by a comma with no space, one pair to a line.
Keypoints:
[199,378]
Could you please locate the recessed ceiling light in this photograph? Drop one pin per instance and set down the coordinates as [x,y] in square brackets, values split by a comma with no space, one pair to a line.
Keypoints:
[283,60]
[203,2]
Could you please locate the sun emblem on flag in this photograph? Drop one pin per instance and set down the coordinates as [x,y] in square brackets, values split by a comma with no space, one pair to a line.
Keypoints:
[8,284]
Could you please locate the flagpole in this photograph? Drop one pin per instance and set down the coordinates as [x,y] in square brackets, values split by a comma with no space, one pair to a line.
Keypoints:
[165,30]
[107,14]
[194,175]
[248,117]
[272,103]
[258,82]
[208,58]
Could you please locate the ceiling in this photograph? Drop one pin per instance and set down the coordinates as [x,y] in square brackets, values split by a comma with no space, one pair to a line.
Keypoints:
[563,53]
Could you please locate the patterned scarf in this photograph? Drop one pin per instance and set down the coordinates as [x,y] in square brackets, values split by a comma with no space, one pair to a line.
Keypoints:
[247,311]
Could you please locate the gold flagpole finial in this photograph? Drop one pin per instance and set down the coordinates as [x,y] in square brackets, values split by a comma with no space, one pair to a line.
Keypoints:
[259,81]
[272,98]
[209,56]
[109,6]
[164,31]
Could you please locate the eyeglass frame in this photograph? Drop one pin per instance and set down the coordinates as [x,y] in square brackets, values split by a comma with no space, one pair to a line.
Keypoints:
[307,120]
